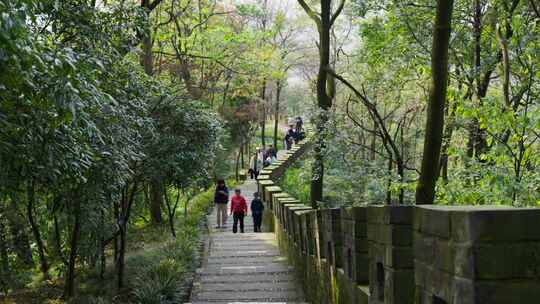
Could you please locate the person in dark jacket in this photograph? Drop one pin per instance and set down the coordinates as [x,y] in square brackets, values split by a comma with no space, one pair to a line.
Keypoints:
[290,137]
[272,152]
[221,198]
[299,124]
[257,208]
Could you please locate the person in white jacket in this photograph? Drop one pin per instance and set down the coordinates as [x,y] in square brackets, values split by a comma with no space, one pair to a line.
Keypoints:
[255,165]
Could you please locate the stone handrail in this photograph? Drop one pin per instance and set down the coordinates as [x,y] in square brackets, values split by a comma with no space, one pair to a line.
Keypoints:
[395,254]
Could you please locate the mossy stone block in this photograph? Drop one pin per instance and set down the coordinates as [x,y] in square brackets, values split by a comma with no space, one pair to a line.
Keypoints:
[395,235]
[390,214]
[432,221]
[485,224]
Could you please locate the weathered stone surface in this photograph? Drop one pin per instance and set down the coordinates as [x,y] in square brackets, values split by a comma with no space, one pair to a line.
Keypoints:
[294,222]
[287,221]
[507,261]
[399,286]
[245,267]
[490,256]
[268,191]
[265,172]
[430,221]
[262,177]
[485,224]
[396,235]
[390,214]
[391,261]
[399,257]
[503,292]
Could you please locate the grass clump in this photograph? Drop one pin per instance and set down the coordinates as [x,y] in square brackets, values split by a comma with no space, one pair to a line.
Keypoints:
[159,283]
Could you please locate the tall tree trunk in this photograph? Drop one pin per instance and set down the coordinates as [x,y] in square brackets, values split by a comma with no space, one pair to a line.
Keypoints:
[242,163]
[102,257]
[44,266]
[447,140]
[171,211]
[476,144]
[156,201]
[115,240]
[4,258]
[263,121]
[324,102]
[58,240]
[21,242]
[425,191]
[125,211]
[237,166]
[147,58]
[389,180]
[276,113]
[69,291]
[121,257]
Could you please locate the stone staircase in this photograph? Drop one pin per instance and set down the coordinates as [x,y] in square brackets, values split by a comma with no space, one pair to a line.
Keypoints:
[244,268]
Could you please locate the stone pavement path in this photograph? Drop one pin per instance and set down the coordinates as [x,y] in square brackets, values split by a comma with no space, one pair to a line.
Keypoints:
[244,268]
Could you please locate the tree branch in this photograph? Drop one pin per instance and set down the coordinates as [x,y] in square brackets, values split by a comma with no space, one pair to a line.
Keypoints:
[535,8]
[154,4]
[311,13]
[338,11]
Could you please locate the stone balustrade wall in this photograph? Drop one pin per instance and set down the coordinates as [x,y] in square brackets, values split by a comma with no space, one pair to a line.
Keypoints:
[405,254]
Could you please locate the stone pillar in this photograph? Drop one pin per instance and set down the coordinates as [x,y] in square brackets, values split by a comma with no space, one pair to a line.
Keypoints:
[287,221]
[275,200]
[300,228]
[263,183]
[294,222]
[477,255]
[267,195]
[332,236]
[391,269]
[309,228]
[280,213]
[355,244]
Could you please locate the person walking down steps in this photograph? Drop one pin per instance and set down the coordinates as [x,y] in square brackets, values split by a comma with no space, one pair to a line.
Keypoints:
[257,208]
[238,210]
[221,198]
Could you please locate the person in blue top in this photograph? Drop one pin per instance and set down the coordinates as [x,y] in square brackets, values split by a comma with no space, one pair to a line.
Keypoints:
[221,198]
[257,208]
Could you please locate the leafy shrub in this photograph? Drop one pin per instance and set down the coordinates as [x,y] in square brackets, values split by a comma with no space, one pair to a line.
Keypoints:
[159,283]
[296,181]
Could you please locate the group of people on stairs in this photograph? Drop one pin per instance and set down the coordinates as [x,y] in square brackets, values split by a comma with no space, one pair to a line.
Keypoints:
[262,158]
[266,156]
[238,208]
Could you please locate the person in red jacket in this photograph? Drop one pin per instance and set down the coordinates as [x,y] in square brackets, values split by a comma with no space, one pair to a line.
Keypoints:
[238,210]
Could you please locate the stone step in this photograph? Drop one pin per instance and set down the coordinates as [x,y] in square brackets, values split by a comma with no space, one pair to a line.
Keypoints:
[247,278]
[247,260]
[243,269]
[241,302]
[246,236]
[247,286]
[243,254]
[240,248]
[258,296]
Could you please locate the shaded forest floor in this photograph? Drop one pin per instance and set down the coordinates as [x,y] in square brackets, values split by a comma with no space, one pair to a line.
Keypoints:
[150,249]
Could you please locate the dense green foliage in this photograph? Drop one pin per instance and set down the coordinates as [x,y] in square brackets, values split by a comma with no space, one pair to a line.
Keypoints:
[117,116]
[492,131]
[93,139]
